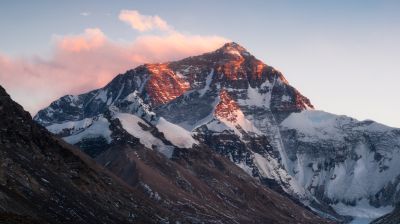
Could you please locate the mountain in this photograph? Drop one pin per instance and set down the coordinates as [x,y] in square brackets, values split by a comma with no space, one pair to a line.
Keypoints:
[45,180]
[234,104]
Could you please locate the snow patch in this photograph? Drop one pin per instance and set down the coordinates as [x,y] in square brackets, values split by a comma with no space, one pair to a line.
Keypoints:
[176,134]
[102,95]
[130,123]
[233,52]
[241,121]
[255,98]
[362,210]
[71,126]
[286,98]
[98,127]
[207,85]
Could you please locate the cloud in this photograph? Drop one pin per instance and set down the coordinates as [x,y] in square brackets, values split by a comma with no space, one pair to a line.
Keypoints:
[143,23]
[82,62]
[91,39]
[85,13]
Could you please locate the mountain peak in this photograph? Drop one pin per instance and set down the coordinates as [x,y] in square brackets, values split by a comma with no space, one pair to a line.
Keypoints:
[233,48]
[233,45]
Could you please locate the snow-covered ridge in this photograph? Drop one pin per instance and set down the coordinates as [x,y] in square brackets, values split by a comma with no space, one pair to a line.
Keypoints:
[316,125]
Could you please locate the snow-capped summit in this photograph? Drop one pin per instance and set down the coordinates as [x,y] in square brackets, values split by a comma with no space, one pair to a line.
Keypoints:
[247,111]
[233,48]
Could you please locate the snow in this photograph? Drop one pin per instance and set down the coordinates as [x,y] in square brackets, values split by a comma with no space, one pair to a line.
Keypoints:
[99,127]
[180,75]
[255,98]
[362,178]
[234,52]
[130,123]
[186,70]
[72,126]
[73,99]
[245,168]
[218,126]
[362,210]
[120,91]
[109,101]
[153,194]
[361,221]
[286,98]
[208,82]
[176,134]
[315,125]
[266,167]
[241,121]
[361,175]
[372,126]
[102,95]
[270,168]
[137,106]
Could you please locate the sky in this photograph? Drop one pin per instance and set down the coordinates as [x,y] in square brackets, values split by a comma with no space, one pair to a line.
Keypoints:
[343,55]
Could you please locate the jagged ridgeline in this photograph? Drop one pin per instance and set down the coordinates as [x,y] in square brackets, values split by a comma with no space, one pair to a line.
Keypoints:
[230,102]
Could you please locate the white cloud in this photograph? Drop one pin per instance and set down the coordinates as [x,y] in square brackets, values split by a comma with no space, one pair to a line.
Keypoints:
[143,23]
[85,13]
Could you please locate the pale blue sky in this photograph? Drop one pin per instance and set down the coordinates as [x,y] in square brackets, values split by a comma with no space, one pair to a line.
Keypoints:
[343,55]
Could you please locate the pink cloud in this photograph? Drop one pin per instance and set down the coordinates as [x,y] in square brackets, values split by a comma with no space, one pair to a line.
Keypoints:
[83,62]
[143,22]
[92,38]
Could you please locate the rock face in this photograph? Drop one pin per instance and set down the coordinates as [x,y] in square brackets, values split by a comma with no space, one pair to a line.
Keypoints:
[234,104]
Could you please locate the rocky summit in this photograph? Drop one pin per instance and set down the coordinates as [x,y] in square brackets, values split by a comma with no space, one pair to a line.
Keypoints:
[198,115]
